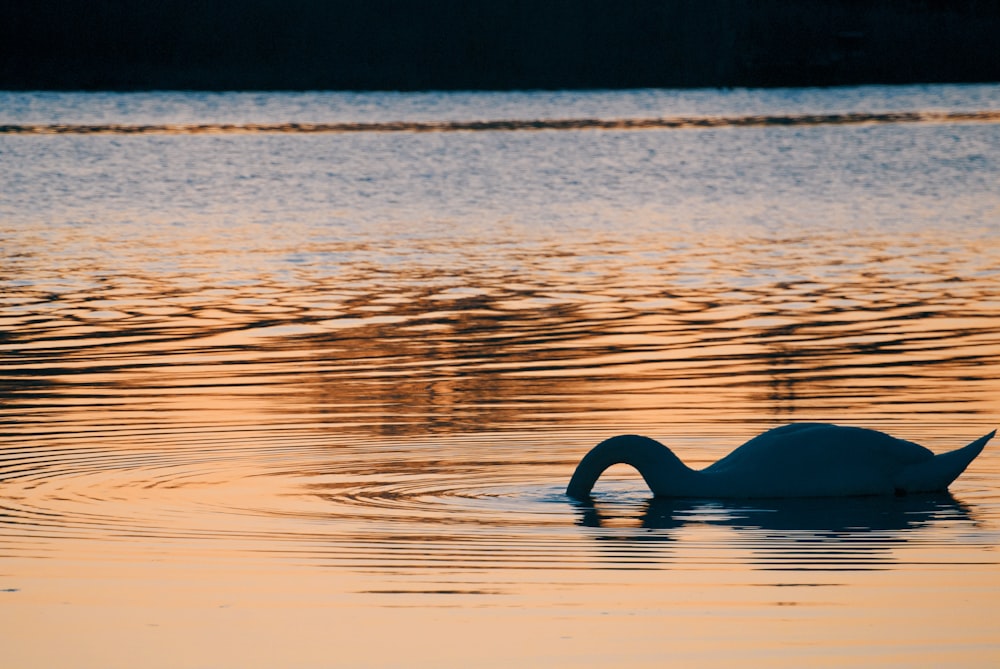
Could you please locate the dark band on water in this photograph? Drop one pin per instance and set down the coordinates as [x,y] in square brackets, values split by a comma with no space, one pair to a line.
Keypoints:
[677,122]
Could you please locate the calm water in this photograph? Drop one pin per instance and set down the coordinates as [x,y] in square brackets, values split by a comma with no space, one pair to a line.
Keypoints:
[310,399]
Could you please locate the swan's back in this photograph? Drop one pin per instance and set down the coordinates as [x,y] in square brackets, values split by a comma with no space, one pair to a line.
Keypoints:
[816,459]
[806,442]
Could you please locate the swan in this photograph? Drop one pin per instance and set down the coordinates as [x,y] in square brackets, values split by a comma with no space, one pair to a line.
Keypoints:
[797,460]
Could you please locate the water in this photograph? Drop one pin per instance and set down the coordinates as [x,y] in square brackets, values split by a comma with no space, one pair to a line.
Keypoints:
[311,399]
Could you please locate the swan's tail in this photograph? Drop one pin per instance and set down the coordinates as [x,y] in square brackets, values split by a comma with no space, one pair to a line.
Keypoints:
[937,473]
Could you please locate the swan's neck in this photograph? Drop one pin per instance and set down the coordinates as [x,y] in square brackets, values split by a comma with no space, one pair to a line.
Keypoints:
[663,471]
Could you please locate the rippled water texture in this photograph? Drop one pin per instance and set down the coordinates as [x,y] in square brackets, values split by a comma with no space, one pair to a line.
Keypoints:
[285,398]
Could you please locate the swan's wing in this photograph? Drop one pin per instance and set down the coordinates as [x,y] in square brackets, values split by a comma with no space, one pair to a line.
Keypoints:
[816,459]
[821,445]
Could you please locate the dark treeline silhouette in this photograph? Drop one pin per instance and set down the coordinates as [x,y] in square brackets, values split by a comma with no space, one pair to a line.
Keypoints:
[464,44]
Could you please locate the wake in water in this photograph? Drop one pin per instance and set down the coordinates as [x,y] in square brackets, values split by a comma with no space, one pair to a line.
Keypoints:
[677,122]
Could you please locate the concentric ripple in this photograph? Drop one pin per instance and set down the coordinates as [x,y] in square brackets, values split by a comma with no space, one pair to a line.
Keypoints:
[490,501]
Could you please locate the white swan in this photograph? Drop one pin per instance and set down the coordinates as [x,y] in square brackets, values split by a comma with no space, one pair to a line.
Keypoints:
[798,460]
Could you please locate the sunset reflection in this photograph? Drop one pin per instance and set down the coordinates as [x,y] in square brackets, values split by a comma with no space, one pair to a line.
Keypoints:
[266,395]
[413,352]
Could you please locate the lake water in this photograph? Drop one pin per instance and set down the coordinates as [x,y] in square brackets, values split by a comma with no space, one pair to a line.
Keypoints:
[299,379]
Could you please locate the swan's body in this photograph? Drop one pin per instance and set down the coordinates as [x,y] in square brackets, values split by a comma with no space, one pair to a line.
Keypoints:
[798,460]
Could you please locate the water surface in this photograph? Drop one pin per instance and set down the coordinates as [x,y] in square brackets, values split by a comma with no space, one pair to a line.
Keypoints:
[311,399]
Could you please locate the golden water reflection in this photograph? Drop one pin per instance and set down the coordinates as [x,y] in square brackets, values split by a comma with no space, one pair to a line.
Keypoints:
[267,399]
[766,335]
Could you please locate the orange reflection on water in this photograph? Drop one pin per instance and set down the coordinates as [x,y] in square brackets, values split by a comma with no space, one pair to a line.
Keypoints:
[702,606]
[320,406]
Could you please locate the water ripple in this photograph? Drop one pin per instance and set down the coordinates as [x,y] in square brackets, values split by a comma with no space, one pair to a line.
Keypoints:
[387,353]
[471,503]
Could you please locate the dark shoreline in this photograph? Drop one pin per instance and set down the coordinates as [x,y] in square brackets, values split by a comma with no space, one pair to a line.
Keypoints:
[515,45]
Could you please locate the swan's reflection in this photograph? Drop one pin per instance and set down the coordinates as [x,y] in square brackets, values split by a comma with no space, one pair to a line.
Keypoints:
[841,533]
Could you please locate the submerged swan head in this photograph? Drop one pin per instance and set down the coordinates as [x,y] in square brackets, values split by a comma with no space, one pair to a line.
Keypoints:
[798,460]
